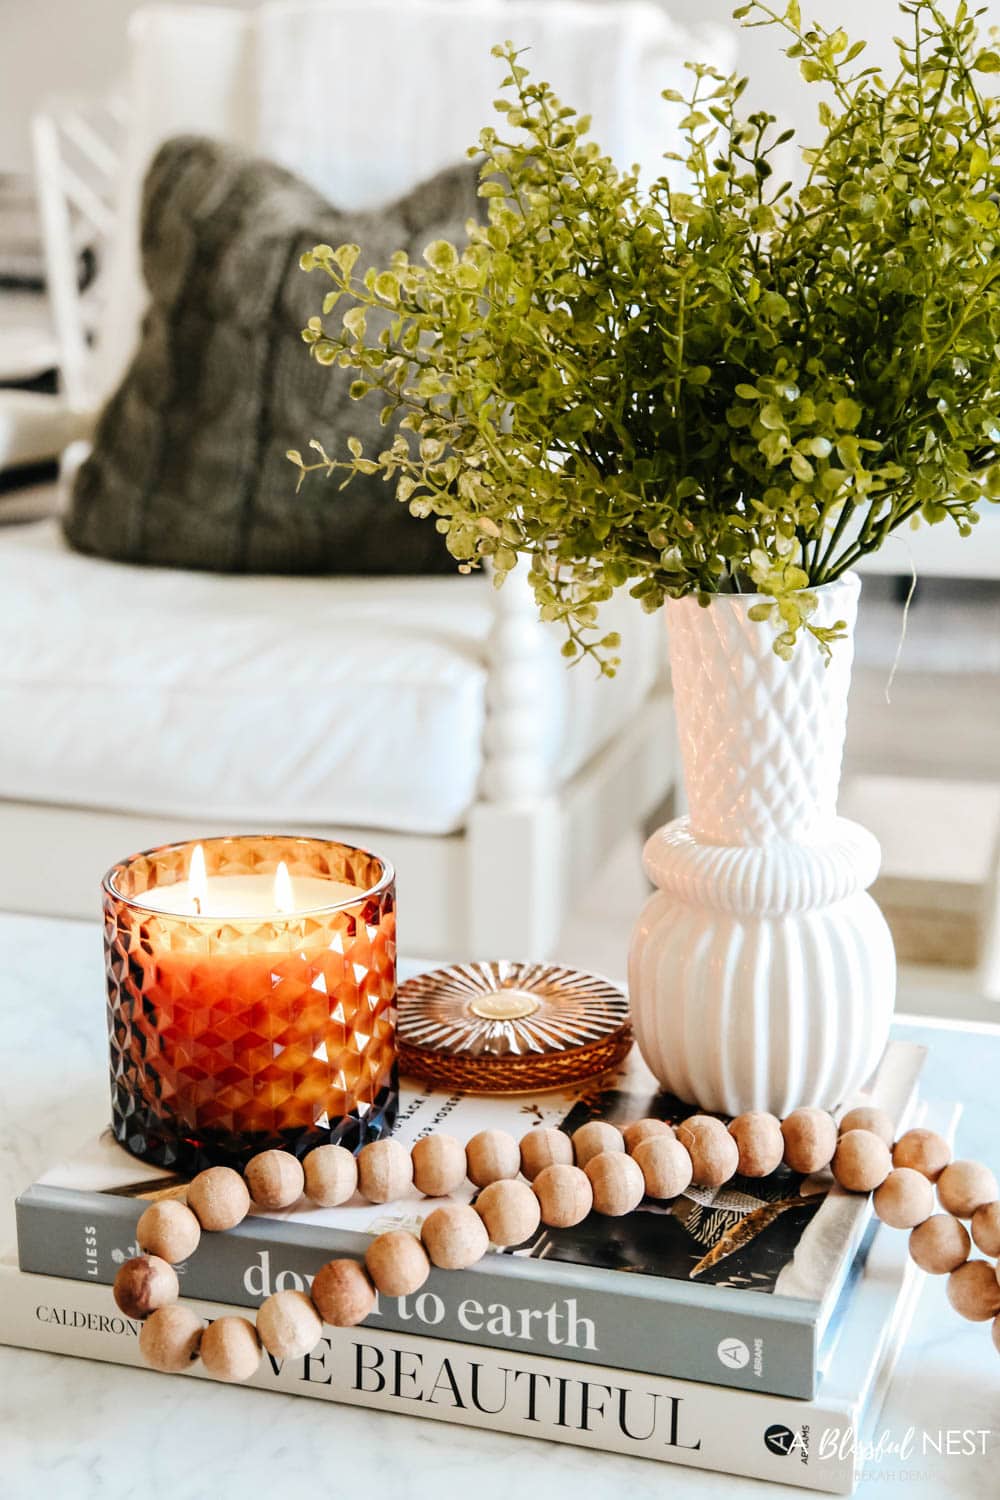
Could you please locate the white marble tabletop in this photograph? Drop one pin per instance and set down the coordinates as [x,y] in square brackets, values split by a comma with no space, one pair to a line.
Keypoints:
[75,1430]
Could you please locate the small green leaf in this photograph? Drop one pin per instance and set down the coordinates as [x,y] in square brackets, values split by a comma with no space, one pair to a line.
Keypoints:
[440,255]
[847,413]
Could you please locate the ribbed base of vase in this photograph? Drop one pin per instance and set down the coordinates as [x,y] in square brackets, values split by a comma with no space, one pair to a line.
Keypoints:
[734,1013]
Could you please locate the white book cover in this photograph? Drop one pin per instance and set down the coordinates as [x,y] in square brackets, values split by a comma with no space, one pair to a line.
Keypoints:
[811,1444]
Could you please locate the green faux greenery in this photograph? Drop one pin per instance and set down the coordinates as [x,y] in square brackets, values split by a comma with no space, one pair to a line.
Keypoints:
[736,386]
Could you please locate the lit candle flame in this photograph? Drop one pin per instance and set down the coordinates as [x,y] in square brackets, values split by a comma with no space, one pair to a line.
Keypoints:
[198,879]
[284,896]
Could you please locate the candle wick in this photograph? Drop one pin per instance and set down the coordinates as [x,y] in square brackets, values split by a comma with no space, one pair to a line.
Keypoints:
[197,905]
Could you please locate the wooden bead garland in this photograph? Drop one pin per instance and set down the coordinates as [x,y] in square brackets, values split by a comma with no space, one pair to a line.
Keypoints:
[643,1130]
[219,1198]
[331,1175]
[665,1166]
[385,1171]
[760,1143]
[509,1210]
[144,1284]
[940,1244]
[544,1147]
[454,1237]
[491,1156]
[170,1338]
[565,1196]
[438,1165]
[168,1229]
[593,1138]
[861,1162]
[924,1151]
[397,1263]
[810,1140]
[275,1179]
[613,1171]
[974,1292]
[985,1229]
[867,1117]
[288,1324]
[230,1348]
[966,1186]
[905,1199]
[343,1293]
[617,1183]
[714,1154]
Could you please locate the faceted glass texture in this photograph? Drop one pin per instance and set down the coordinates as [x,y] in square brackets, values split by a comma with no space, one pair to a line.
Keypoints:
[228,1036]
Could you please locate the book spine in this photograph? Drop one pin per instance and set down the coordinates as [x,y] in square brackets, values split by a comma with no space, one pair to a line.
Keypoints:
[735,1432]
[652,1325]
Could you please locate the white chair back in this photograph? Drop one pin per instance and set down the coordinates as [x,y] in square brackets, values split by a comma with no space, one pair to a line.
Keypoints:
[77,152]
[364,98]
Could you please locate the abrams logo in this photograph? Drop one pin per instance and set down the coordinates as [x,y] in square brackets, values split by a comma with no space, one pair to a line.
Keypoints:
[783,1441]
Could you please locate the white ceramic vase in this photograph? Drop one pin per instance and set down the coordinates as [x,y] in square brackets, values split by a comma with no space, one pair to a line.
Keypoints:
[762,975]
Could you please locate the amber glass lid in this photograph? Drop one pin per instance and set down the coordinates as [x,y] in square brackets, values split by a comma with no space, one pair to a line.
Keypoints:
[502,1027]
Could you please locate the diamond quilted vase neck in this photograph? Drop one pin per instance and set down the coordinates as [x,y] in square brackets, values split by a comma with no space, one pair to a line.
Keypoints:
[761,739]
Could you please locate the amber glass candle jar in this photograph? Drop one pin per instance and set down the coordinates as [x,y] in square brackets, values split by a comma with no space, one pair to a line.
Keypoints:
[251,998]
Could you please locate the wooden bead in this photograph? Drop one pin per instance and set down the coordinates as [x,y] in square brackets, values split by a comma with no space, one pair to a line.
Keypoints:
[617,1182]
[810,1137]
[170,1338]
[565,1196]
[492,1156]
[342,1293]
[544,1147]
[230,1349]
[759,1141]
[905,1199]
[438,1165]
[510,1211]
[288,1325]
[643,1130]
[168,1229]
[593,1138]
[714,1154]
[397,1263]
[385,1171]
[869,1117]
[145,1283]
[973,1291]
[331,1175]
[861,1162]
[922,1151]
[454,1236]
[665,1165]
[219,1198]
[965,1186]
[940,1244]
[275,1179]
[985,1227]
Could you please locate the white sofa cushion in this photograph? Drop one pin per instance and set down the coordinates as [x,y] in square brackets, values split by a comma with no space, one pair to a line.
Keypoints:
[358,702]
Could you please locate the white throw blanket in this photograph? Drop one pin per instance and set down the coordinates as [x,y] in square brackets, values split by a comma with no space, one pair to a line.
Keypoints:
[365,97]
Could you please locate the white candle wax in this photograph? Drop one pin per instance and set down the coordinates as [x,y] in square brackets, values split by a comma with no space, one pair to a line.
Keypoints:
[235,896]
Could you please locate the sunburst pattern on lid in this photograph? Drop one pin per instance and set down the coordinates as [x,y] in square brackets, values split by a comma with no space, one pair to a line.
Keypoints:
[501,1027]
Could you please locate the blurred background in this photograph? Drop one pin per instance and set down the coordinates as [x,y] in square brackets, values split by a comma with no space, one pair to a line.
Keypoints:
[142,703]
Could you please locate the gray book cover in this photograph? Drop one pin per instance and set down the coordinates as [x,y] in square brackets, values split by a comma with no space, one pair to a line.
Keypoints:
[738,1287]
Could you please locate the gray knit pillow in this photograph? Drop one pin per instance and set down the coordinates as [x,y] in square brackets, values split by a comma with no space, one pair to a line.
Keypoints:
[188,468]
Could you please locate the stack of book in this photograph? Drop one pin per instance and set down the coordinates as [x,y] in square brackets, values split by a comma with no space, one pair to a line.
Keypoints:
[749,1329]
